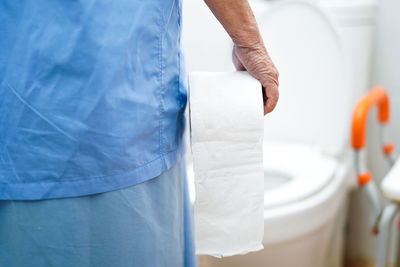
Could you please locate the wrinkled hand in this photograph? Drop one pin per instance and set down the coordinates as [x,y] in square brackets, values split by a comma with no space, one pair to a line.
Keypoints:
[257,62]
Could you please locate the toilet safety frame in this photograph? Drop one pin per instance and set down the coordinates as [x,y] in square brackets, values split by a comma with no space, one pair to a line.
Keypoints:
[384,218]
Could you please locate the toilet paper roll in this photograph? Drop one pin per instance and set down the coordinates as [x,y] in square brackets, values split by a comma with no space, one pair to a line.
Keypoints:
[226,116]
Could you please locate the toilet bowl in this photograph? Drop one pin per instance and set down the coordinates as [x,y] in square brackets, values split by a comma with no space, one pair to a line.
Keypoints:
[306,155]
[355,21]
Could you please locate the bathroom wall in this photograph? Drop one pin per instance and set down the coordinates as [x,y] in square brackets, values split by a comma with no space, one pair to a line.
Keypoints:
[386,72]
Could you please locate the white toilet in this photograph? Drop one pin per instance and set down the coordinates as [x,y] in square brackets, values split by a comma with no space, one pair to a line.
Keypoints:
[306,155]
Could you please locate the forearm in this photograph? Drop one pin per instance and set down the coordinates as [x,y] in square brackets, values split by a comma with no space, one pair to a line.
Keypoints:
[238,20]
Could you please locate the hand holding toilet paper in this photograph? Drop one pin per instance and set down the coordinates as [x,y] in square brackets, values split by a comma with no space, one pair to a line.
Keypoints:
[226,111]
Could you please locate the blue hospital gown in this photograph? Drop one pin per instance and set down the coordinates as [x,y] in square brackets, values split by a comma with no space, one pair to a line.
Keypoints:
[146,225]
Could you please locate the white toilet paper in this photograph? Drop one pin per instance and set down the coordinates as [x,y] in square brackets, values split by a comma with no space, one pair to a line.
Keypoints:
[227,134]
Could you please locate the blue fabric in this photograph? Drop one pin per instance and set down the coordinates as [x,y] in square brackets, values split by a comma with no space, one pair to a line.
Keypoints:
[146,225]
[92,95]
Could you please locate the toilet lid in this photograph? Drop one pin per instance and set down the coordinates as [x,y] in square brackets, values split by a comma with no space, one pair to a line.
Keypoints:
[315,98]
[294,172]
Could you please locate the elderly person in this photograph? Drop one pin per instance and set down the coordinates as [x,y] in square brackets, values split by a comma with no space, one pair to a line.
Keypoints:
[91,123]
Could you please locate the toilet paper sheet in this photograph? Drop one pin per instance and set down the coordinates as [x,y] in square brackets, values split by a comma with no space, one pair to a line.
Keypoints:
[226,116]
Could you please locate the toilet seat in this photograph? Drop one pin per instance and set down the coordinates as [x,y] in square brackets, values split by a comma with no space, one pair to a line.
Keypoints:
[294,172]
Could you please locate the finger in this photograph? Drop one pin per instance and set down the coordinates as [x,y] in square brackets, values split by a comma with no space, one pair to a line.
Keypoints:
[272,93]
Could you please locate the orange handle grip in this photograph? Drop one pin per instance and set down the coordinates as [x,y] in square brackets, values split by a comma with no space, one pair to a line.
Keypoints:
[378,97]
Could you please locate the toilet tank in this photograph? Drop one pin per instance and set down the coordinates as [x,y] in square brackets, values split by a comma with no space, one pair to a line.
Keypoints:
[355,21]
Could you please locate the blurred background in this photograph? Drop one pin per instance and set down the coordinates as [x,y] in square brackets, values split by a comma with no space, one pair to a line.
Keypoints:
[329,54]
